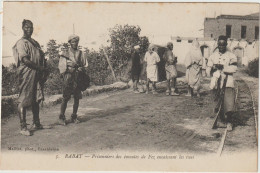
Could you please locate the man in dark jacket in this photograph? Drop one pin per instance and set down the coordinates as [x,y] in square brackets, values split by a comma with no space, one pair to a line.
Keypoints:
[136,67]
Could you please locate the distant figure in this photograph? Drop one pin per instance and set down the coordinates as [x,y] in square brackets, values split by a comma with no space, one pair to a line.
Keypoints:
[205,55]
[32,74]
[171,71]
[136,68]
[193,63]
[72,63]
[152,59]
[223,63]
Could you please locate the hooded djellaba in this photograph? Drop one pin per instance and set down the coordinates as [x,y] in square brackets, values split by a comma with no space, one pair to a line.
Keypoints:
[193,63]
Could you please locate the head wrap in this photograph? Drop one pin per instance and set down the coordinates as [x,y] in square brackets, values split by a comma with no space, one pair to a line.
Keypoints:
[169,44]
[195,43]
[26,22]
[194,55]
[73,36]
[222,37]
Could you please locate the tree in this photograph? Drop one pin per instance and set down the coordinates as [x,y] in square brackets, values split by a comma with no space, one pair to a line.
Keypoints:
[123,39]
[98,67]
[52,49]
[54,82]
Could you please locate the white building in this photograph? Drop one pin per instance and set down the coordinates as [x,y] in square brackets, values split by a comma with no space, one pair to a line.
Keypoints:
[244,50]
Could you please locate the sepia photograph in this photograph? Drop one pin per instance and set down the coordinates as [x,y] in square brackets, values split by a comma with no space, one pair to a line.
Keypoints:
[130,86]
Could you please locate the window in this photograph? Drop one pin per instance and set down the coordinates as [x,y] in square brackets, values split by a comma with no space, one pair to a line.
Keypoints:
[211,35]
[228,31]
[256,32]
[190,41]
[243,31]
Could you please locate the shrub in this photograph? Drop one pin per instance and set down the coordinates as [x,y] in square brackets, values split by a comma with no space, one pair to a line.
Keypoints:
[9,80]
[253,68]
[8,107]
[98,68]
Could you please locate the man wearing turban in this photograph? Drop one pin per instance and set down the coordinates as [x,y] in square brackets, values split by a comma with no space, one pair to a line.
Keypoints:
[72,62]
[152,59]
[193,63]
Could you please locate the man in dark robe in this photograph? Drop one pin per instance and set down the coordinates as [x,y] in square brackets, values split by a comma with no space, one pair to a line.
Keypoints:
[136,68]
[31,67]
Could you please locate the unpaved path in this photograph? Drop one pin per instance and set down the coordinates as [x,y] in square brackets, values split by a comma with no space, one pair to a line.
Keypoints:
[124,121]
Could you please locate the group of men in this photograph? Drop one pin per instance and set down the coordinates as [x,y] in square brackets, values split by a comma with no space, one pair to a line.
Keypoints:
[220,65]
[151,60]
[33,73]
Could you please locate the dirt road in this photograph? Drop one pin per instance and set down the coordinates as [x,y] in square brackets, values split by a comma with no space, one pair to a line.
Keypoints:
[124,121]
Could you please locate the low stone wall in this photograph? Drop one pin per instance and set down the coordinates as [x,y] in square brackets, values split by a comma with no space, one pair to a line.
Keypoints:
[9,103]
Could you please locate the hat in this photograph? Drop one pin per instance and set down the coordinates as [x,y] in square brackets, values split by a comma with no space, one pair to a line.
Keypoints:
[73,36]
[25,21]
[169,44]
[222,37]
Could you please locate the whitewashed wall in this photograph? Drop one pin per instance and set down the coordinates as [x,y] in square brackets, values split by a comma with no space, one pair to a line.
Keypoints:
[250,51]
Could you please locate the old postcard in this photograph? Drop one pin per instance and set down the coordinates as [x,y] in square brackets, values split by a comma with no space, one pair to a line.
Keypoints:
[130,86]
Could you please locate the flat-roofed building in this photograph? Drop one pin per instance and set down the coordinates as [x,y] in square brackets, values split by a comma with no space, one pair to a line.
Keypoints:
[233,26]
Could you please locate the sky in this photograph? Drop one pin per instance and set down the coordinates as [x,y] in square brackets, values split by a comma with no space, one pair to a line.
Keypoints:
[91,20]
